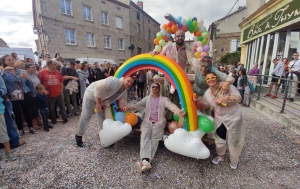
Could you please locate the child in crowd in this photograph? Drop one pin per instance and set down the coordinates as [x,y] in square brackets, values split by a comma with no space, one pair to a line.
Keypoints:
[247,95]
[42,105]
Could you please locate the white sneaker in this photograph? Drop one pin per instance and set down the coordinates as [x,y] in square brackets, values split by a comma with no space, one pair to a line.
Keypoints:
[139,166]
[233,166]
[218,159]
[146,166]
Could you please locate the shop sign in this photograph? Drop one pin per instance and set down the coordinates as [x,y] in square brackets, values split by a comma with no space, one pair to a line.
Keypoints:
[277,18]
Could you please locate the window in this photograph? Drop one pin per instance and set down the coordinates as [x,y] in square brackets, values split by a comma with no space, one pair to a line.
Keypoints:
[150,48]
[107,43]
[119,23]
[138,27]
[70,36]
[235,46]
[90,39]
[149,21]
[121,44]
[139,50]
[138,15]
[149,34]
[104,16]
[66,7]
[87,12]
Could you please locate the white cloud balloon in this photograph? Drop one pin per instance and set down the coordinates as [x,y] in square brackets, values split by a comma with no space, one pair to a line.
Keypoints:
[113,131]
[187,143]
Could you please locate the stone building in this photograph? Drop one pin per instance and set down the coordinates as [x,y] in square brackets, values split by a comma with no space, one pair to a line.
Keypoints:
[143,28]
[81,29]
[225,34]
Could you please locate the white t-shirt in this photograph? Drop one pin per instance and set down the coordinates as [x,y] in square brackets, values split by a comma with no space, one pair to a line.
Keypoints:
[44,64]
[296,66]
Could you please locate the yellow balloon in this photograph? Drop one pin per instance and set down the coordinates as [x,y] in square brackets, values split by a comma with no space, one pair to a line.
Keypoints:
[197,55]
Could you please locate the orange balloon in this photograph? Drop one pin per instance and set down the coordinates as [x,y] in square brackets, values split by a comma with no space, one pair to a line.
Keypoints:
[174,28]
[168,30]
[198,33]
[131,119]
[165,26]
[156,41]
[173,126]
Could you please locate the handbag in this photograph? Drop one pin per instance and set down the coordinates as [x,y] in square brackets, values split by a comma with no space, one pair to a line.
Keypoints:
[17,93]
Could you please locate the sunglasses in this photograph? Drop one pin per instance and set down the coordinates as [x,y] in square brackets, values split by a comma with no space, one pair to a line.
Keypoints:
[178,36]
[211,78]
[155,87]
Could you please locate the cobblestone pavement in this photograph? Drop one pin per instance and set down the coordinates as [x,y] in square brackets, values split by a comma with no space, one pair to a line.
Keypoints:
[270,159]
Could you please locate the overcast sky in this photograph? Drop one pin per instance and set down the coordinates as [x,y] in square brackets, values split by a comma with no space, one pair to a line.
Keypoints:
[16,15]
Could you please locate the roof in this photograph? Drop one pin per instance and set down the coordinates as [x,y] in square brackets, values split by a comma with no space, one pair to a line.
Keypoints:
[137,7]
[239,10]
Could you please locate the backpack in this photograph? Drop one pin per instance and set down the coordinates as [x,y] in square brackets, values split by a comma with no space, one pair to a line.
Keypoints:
[250,84]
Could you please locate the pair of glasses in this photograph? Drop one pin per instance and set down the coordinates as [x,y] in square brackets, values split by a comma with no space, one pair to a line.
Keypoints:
[155,87]
[178,36]
[211,78]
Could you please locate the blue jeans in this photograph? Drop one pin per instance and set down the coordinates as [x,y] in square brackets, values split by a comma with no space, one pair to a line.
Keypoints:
[10,125]
[44,114]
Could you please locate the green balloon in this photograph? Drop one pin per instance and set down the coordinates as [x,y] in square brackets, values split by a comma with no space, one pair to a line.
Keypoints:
[195,23]
[205,35]
[205,124]
[158,35]
[189,22]
[175,117]
[200,38]
[196,29]
[204,41]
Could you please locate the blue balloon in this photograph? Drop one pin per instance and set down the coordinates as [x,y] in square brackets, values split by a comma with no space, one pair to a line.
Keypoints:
[139,121]
[179,26]
[120,116]
[194,19]
[179,18]
[169,35]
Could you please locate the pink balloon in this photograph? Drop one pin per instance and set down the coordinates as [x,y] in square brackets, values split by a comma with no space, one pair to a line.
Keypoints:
[195,48]
[199,44]
[203,54]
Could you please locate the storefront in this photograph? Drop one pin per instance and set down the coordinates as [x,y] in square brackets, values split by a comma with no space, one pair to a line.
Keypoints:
[272,31]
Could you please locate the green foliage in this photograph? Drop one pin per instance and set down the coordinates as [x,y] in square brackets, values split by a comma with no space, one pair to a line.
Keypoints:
[36,53]
[231,58]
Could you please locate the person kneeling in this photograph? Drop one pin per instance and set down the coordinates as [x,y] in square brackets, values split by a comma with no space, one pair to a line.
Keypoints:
[152,127]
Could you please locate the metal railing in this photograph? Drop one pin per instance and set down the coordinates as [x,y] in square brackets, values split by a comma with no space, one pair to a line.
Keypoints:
[286,87]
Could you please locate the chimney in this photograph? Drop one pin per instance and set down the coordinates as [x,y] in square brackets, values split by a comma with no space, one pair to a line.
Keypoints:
[140,4]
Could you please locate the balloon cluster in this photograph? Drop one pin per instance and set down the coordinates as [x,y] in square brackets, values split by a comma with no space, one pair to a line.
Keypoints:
[127,117]
[204,123]
[192,25]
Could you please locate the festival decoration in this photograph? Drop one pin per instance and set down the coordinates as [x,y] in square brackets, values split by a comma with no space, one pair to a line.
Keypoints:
[120,116]
[175,75]
[205,124]
[131,119]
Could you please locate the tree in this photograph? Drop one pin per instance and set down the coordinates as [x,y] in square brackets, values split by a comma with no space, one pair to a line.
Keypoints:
[231,58]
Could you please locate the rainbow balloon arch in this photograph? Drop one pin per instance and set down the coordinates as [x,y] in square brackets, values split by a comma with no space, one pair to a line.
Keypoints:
[192,25]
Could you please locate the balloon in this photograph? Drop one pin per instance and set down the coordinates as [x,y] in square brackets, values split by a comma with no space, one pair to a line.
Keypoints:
[179,19]
[162,42]
[204,41]
[120,116]
[169,35]
[194,19]
[197,55]
[191,28]
[196,29]
[139,121]
[199,44]
[189,18]
[126,113]
[158,35]
[173,126]
[165,37]
[198,33]
[163,32]
[189,22]
[200,23]
[156,41]
[205,34]
[199,49]
[175,117]
[131,119]
[200,38]
[203,29]
[206,48]
[203,54]
[138,114]
[195,49]
[165,26]
[185,28]
[157,48]
[170,24]
[179,26]
[205,124]
[174,28]
[168,30]
[183,22]
[194,23]
[161,26]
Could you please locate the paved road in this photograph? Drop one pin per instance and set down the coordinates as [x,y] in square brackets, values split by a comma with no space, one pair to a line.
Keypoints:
[270,159]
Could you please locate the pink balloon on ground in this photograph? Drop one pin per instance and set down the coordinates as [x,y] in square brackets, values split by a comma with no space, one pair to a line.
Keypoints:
[199,44]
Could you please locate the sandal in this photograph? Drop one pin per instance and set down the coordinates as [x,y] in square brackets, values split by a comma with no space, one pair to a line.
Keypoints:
[11,156]
[21,142]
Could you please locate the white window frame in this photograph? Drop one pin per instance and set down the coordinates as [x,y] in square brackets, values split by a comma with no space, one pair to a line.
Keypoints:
[64,11]
[117,22]
[107,44]
[68,39]
[102,17]
[86,10]
[120,44]
[138,28]
[90,39]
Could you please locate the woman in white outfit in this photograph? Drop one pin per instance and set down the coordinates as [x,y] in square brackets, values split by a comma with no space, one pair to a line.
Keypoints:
[153,124]
[98,97]
[228,119]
